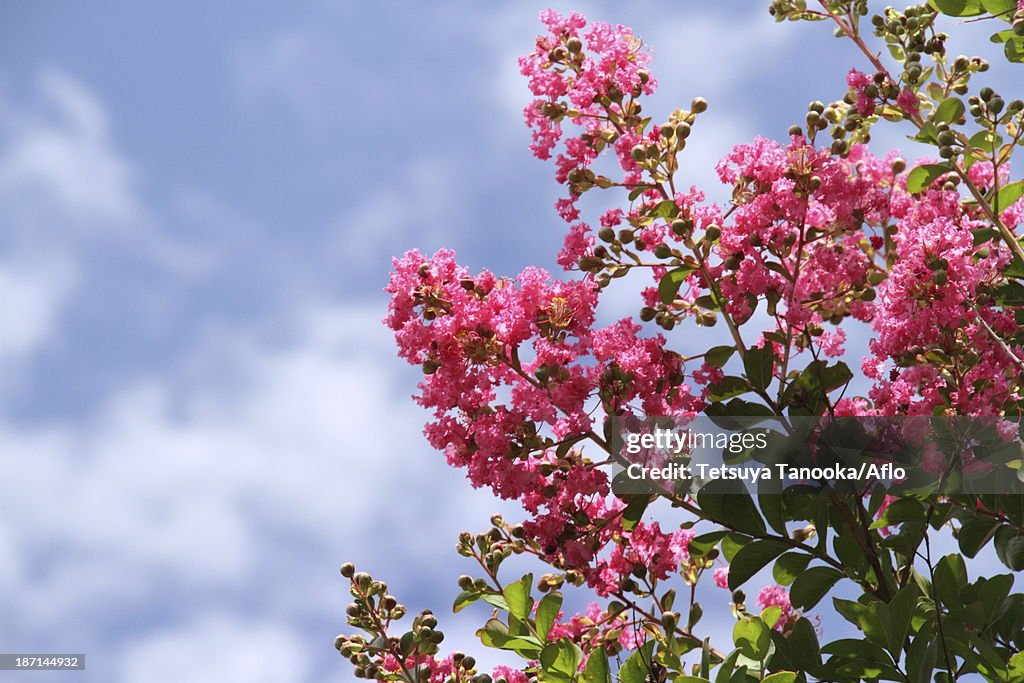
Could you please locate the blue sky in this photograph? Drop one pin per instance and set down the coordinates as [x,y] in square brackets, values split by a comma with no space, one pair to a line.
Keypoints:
[201,417]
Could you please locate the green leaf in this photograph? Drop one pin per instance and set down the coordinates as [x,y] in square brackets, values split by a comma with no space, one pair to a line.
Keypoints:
[702,545]
[727,500]
[1016,668]
[636,668]
[732,544]
[547,613]
[771,615]
[751,559]
[950,578]
[759,364]
[671,282]
[811,586]
[772,503]
[465,598]
[752,637]
[1010,547]
[949,110]
[901,611]
[975,534]
[1014,49]
[921,656]
[665,209]
[805,648]
[517,595]
[958,8]
[902,510]
[727,388]
[789,566]
[718,356]
[1007,195]
[999,7]
[495,634]
[780,677]
[634,511]
[1009,294]
[728,666]
[597,670]
[921,177]
[561,657]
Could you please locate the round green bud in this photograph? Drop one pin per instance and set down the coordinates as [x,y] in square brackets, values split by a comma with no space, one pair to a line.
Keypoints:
[574,44]
[986,93]
[683,130]
[899,166]
[348,570]
[795,131]
[699,105]
[606,234]
[995,105]
[663,251]
[647,314]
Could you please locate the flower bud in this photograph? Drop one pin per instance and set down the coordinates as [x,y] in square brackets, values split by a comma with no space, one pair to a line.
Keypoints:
[898,166]
[348,570]
[574,44]
[606,234]
[682,130]
[699,105]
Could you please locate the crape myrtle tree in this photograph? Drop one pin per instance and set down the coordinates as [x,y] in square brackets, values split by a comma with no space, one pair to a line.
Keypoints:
[820,233]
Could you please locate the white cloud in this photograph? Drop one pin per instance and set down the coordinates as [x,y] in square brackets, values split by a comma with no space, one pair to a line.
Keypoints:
[32,297]
[62,153]
[215,649]
[255,477]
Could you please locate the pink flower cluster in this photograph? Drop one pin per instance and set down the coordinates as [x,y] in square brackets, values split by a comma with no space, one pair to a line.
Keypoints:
[657,552]
[929,305]
[512,368]
[582,627]
[798,233]
[777,596]
[585,86]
